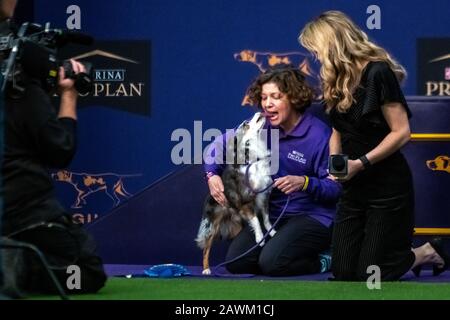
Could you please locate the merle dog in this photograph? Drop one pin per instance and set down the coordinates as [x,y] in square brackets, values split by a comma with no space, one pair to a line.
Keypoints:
[248,174]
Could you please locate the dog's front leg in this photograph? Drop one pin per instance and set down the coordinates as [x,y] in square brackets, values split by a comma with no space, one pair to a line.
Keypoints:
[268,224]
[263,203]
[206,270]
[256,227]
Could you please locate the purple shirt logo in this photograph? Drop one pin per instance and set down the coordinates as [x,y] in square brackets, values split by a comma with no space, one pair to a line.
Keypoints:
[297,156]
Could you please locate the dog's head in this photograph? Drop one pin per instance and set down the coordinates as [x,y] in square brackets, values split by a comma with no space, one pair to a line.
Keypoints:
[251,140]
[440,163]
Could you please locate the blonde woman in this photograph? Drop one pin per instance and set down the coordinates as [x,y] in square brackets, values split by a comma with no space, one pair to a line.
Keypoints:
[369,115]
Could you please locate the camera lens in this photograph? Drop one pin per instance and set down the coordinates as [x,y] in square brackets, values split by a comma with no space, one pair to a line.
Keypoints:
[83,83]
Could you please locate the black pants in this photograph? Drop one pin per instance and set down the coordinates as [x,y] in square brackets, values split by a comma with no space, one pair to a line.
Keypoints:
[293,250]
[63,244]
[373,230]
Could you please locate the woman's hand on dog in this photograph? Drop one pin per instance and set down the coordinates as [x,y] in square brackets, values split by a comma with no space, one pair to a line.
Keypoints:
[289,184]
[216,190]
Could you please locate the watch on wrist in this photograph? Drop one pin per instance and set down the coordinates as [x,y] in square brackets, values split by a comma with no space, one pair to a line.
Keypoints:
[366,163]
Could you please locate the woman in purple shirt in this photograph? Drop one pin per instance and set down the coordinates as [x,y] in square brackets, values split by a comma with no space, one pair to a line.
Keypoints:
[305,229]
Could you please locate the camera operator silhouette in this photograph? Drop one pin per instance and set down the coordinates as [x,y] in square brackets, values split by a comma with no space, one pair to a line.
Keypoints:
[38,137]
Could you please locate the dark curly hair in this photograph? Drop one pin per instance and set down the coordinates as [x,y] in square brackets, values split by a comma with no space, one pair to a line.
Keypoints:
[289,80]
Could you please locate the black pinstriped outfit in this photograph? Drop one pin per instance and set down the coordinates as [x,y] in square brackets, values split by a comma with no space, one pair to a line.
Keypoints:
[375,218]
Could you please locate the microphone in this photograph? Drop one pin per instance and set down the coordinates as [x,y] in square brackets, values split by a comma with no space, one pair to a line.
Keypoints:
[338,165]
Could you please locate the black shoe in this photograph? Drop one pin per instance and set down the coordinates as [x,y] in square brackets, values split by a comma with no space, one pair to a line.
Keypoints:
[15,271]
[437,245]
[416,270]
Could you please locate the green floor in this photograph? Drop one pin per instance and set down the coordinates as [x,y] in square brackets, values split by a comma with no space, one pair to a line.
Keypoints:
[189,289]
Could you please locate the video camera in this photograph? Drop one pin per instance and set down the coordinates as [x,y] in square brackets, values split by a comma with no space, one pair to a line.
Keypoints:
[33,51]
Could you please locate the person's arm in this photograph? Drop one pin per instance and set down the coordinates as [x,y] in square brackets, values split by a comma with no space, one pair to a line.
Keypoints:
[397,119]
[7,8]
[53,139]
[214,166]
[54,134]
[335,142]
[68,105]
[68,93]
[319,186]
[216,156]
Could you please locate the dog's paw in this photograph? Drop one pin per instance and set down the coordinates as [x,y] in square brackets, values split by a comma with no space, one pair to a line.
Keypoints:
[206,272]
[272,233]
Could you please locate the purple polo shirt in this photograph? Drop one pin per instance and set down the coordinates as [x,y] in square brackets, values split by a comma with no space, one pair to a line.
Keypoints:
[303,151]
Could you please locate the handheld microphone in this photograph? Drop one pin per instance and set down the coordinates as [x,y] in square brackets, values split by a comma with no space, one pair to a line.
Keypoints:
[338,165]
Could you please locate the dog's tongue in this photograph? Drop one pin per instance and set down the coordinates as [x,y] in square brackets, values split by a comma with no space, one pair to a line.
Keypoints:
[269,115]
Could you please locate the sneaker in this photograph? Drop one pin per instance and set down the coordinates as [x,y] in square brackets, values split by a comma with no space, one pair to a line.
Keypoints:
[325,262]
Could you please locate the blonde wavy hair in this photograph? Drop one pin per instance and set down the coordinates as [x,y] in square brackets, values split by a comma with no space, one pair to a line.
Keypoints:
[342,48]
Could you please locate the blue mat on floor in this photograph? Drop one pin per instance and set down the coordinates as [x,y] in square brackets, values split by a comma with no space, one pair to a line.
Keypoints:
[122,270]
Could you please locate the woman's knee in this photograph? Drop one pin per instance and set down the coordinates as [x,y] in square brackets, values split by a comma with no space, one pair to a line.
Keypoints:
[92,283]
[270,265]
[344,275]
[242,265]
[346,272]
[92,272]
[342,272]
[236,267]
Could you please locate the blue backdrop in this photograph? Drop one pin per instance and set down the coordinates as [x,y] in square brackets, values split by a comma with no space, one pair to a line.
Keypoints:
[193,73]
